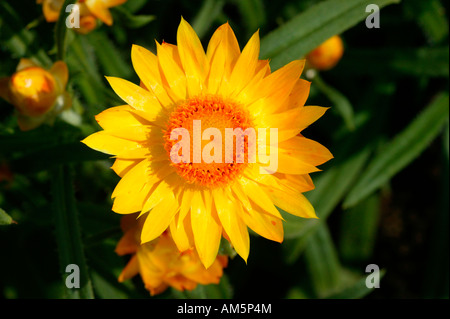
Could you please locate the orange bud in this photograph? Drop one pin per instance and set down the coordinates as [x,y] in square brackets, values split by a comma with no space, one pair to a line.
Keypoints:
[33,91]
[326,55]
[37,94]
[87,24]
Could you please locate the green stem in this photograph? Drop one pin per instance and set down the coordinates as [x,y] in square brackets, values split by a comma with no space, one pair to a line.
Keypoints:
[68,232]
[341,103]
[61,29]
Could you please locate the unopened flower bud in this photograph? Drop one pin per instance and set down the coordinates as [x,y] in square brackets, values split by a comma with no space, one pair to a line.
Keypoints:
[326,55]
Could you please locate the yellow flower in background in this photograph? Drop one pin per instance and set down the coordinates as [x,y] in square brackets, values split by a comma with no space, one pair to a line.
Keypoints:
[326,55]
[90,11]
[37,94]
[222,88]
[161,264]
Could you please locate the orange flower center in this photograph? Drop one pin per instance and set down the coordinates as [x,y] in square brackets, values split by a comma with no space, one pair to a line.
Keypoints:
[198,116]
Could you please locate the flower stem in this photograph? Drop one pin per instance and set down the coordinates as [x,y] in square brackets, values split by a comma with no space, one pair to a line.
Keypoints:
[68,232]
[61,29]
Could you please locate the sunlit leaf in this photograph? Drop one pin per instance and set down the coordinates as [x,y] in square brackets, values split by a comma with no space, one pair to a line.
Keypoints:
[309,29]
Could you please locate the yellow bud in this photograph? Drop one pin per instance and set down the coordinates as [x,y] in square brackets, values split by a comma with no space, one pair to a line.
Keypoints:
[33,91]
[326,55]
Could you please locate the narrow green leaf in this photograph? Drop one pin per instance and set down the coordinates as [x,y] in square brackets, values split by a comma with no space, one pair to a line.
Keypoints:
[358,230]
[309,29]
[205,17]
[340,103]
[322,262]
[253,14]
[132,21]
[430,15]
[356,291]
[332,185]
[68,232]
[402,150]
[110,59]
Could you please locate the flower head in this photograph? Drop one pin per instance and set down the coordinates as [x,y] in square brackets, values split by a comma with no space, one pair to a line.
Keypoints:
[181,179]
[90,11]
[161,264]
[37,94]
[326,55]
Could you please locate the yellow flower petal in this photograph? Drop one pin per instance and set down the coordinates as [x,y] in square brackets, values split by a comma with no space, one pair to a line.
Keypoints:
[119,117]
[106,143]
[206,228]
[288,163]
[277,86]
[99,9]
[181,231]
[193,58]
[293,203]
[298,95]
[146,65]
[122,166]
[259,196]
[170,63]
[263,224]
[306,150]
[232,223]
[225,40]
[130,270]
[245,66]
[139,98]
[162,190]
[159,218]
[60,72]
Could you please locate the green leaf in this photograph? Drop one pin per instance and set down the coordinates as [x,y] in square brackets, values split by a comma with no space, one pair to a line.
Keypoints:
[68,232]
[430,15]
[332,185]
[5,219]
[132,21]
[20,41]
[356,291]
[209,11]
[253,14]
[358,229]
[309,29]
[109,57]
[322,262]
[402,150]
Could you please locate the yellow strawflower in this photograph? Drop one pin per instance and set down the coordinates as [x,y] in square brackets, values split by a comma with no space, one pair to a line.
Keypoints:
[201,195]
[37,94]
[161,264]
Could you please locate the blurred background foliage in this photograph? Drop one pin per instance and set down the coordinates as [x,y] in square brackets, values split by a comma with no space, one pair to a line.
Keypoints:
[383,199]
